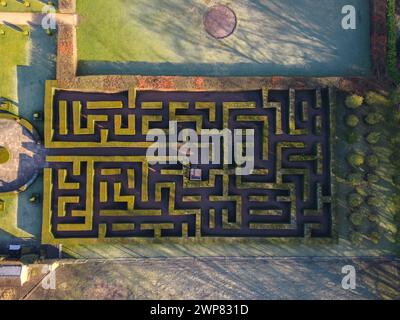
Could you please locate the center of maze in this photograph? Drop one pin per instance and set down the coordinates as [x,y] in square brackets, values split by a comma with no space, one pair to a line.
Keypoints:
[99,186]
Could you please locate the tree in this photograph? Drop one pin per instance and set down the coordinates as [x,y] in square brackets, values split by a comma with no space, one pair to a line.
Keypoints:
[352,121]
[352,137]
[354,101]
[356,238]
[373,137]
[373,161]
[355,200]
[357,219]
[375,99]
[356,159]
[355,178]
[373,118]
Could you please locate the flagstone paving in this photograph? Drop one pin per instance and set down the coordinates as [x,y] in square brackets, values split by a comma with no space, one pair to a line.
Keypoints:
[27,157]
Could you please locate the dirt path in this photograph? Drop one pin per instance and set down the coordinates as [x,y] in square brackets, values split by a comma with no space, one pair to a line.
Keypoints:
[23,18]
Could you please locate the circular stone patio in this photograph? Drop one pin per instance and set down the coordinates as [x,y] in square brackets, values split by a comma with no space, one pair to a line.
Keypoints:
[25,156]
[220,21]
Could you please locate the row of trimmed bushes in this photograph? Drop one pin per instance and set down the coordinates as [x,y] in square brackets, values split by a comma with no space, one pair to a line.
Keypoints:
[362,204]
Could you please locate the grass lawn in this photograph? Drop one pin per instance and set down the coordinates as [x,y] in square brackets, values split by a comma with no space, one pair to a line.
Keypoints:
[274,37]
[18,6]
[21,219]
[14,51]
[26,62]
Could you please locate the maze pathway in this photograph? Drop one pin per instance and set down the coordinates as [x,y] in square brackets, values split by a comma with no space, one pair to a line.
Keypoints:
[100,187]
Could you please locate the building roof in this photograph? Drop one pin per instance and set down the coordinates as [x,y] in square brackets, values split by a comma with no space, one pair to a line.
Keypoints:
[10,271]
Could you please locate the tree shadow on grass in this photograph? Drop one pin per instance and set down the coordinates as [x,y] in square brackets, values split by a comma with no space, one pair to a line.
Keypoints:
[288,38]
[227,278]
[32,78]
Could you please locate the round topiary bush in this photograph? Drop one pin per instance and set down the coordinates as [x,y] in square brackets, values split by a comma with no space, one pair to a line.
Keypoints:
[373,201]
[373,137]
[352,121]
[373,161]
[377,100]
[355,200]
[356,238]
[372,178]
[357,219]
[352,137]
[373,118]
[4,155]
[356,159]
[355,178]
[354,101]
[373,217]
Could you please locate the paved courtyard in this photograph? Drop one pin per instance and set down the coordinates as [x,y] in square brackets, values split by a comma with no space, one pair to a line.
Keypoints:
[26,156]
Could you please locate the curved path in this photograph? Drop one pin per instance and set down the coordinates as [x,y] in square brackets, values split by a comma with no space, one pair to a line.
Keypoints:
[27,157]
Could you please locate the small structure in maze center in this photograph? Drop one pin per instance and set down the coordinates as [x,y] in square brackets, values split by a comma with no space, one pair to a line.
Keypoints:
[196,174]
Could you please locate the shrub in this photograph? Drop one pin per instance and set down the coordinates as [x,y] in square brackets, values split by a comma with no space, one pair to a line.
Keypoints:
[373,118]
[357,219]
[377,100]
[373,201]
[373,217]
[361,190]
[372,178]
[354,101]
[375,237]
[373,137]
[352,137]
[352,121]
[355,178]
[356,238]
[373,161]
[355,200]
[356,159]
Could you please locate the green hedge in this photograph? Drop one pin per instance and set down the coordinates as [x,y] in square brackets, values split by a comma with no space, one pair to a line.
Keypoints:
[392,42]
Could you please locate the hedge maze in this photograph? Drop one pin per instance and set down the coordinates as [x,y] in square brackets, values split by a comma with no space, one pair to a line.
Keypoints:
[99,186]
